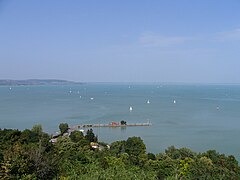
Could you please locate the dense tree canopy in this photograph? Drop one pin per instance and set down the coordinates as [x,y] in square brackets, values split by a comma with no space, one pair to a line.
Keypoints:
[91,136]
[123,122]
[37,129]
[63,127]
[29,155]
[76,136]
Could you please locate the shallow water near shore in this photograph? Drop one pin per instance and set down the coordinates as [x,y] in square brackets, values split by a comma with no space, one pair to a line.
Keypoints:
[199,117]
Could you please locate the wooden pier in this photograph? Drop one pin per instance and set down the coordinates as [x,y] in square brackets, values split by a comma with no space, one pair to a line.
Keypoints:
[113,124]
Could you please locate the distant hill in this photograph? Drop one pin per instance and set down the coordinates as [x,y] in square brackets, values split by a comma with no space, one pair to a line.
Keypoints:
[7,82]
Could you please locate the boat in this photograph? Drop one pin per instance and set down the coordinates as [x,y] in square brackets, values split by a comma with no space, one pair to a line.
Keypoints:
[148,102]
[174,101]
[130,108]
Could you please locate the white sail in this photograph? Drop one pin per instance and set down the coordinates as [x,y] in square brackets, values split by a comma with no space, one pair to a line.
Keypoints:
[130,108]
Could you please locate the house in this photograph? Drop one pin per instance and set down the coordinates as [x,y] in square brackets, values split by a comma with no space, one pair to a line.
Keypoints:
[53,140]
[94,145]
[115,124]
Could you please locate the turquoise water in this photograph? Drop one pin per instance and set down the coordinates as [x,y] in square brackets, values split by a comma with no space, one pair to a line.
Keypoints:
[203,117]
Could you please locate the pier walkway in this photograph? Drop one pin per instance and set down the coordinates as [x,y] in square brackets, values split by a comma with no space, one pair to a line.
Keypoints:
[113,124]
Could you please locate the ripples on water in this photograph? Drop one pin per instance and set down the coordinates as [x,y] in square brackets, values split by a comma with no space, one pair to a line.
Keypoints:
[203,117]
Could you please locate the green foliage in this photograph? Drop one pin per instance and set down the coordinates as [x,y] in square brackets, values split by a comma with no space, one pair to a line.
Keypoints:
[63,127]
[151,156]
[28,136]
[90,136]
[117,147]
[29,155]
[201,167]
[76,136]
[167,166]
[37,129]
[185,166]
[123,122]
[181,153]
[28,160]
[135,148]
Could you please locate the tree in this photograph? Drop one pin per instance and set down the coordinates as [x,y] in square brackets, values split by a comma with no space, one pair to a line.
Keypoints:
[25,155]
[201,167]
[117,148]
[151,156]
[28,136]
[167,166]
[135,148]
[76,136]
[185,164]
[37,129]
[181,153]
[44,165]
[63,127]
[123,122]
[90,136]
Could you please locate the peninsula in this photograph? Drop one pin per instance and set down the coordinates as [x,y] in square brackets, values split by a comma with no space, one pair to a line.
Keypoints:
[28,82]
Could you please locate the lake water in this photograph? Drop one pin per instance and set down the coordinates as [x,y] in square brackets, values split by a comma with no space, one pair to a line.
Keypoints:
[203,116]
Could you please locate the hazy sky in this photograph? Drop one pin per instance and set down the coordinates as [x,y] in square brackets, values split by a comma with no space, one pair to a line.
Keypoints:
[121,40]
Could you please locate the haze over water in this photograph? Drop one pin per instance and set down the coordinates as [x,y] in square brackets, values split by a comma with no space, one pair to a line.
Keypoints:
[203,117]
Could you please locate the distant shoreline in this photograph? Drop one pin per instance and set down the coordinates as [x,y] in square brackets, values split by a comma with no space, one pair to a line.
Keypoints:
[37,82]
[32,82]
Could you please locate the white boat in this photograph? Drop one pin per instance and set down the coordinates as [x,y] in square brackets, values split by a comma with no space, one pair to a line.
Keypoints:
[174,101]
[92,98]
[130,108]
[148,102]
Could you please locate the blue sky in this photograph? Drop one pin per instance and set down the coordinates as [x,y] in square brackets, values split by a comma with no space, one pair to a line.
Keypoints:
[121,41]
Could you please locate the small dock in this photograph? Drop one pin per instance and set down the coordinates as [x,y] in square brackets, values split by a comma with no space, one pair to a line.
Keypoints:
[113,125]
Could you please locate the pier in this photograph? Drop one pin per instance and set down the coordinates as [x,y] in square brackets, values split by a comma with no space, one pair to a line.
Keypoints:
[113,124]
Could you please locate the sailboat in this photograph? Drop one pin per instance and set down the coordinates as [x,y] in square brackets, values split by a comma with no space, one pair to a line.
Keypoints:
[130,108]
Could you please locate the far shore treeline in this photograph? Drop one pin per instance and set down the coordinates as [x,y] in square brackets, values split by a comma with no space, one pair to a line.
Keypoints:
[34,154]
[36,82]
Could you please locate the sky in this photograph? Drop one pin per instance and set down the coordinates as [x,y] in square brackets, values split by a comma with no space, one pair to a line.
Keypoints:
[121,41]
